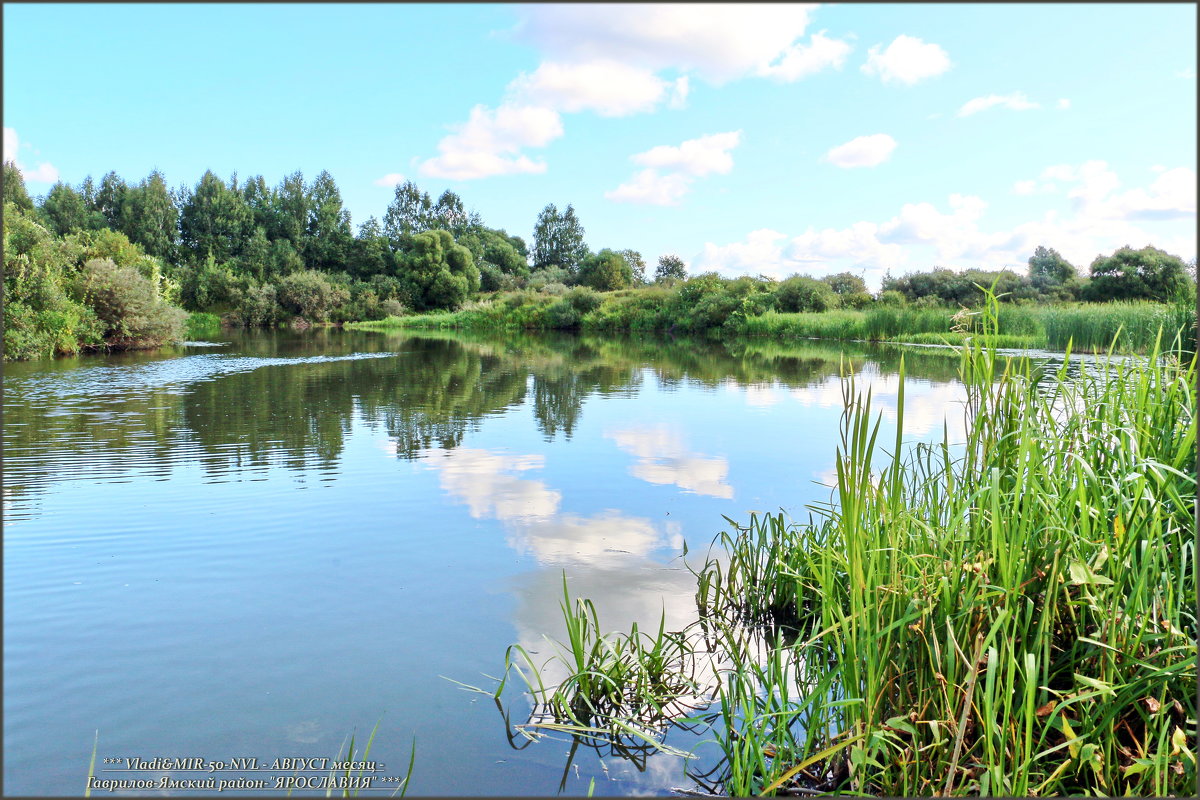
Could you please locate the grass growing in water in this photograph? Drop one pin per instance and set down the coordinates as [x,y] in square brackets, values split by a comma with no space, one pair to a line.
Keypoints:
[1013,615]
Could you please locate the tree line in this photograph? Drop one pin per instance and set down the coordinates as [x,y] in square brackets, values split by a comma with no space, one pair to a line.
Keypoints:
[260,255]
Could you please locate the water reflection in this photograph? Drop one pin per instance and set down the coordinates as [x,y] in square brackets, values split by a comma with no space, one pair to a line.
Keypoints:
[663,458]
[440,486]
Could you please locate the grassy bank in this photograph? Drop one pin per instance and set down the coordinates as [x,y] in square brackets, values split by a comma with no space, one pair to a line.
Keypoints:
[1087,327]
[1013,615]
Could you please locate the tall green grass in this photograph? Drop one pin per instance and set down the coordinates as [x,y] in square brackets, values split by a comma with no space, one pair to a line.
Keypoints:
[1011,615]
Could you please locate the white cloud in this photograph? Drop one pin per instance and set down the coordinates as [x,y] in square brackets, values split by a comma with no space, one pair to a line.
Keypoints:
[761,253]
[679,93]
[489,143]
[1101,219]
[42,173]
[906,60]
[1033,187]
[865,151]
[671,170]
[1188,73]
[697,157]
[1063,103]
[648,187]
[720,42]
[800,60]
[391,179]
[1017,101]
[857,246]
[610,88]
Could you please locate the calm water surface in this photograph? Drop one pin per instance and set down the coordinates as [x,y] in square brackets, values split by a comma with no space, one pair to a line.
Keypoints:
[256,546]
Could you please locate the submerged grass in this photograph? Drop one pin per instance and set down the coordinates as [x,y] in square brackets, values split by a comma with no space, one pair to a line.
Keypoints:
[1011,615]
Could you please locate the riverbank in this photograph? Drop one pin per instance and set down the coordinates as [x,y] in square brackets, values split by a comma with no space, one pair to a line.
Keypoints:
[1086,327]
[1013,616]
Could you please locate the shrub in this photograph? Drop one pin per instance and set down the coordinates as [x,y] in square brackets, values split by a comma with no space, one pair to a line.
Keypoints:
[126,303]
[309,294]
[802,293]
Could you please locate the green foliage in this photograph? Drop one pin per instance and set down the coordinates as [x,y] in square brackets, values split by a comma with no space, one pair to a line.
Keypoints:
[802,293]
[64,210]
[201,324]
[670,267]
[14,187]
[149,216]
[438,272]
[128,306]
[605,271]
[558,240]
[1146,274]
[1048,265]
[211,286]
[845,284]
[308,294]
[214,220]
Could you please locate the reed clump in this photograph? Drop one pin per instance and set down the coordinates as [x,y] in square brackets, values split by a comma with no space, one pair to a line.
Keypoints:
[1013,615]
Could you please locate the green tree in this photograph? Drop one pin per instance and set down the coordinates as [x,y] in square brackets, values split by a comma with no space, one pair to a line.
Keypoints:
[449,214]
[110,199]
[327,243]
[369,252]
[408,214]
[290,204]
[605,271]
[670,267]
[1146,274]
[214,219]
[558,240]
[845,283]
[437,272]
[259,198]
[149,216]
[1047,264]
[637,264]
[14,188]
[64,209]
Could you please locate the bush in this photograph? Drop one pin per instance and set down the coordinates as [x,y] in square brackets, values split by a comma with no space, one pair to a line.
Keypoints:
[802,293]
[309,294]
[127,305]
[583,299]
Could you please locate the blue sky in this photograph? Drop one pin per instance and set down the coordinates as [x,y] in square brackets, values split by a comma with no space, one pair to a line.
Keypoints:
[770,139]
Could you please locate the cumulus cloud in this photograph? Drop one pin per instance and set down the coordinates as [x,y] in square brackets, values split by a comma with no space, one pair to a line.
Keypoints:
[719,42]
[607,58]
[671,170]
[391,179]
[490,141]
[610,88]
[1017,101]
[802,60]
[648,187]
[865,151]
[1063,103]
[761,253]
[1102,218]
[42,173]
[906,60]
